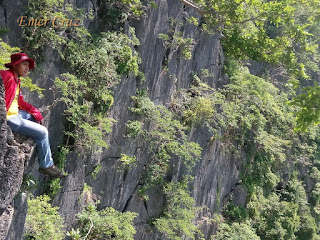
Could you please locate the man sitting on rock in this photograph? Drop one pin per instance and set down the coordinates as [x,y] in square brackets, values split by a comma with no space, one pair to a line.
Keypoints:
[22,117]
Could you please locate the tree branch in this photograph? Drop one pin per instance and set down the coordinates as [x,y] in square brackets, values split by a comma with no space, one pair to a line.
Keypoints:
[191,4]
[89,229]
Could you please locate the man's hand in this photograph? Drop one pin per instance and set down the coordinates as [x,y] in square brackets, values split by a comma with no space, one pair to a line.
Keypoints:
[41,122]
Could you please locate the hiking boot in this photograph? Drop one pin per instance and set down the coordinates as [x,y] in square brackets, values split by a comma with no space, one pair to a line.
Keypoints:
[52,172]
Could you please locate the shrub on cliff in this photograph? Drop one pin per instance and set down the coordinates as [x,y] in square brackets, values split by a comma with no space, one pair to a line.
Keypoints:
[43,220]
[104,224]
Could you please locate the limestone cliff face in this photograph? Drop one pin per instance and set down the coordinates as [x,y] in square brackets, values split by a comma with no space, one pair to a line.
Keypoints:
[214,176]
[14,156]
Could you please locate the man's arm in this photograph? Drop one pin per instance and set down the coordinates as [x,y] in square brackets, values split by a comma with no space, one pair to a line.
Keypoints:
[9,84]
[23,105]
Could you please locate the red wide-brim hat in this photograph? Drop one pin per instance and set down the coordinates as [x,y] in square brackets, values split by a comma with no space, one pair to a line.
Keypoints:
[18,58]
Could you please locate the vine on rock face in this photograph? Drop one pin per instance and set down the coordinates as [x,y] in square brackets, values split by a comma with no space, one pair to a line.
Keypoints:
[89,128]
[167,143]
[175,43]
[98,64]
[167,140]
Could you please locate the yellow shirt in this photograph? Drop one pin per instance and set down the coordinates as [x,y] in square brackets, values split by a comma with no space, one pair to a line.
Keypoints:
[14,108]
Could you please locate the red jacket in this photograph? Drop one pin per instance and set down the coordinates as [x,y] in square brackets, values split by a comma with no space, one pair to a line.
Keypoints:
[10,86]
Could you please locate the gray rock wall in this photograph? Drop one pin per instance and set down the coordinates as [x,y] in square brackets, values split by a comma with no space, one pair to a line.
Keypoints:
[215,175]
[14,156]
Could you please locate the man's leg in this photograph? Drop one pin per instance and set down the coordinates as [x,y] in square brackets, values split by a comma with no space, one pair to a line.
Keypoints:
[25,115]
[38,132]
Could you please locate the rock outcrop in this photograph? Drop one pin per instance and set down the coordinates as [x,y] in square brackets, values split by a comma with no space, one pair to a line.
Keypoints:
[14,156]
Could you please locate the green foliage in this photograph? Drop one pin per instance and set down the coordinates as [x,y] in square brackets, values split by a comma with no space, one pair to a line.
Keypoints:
[127,161]
[268,31]
[163,37]
[166,138]
[315,173]
[103,58]
[27,83]
[199,111]
[5,53]
[309,112]
[115,13]
[29,183]
[186,45]
[61,156]
[87,188]
[90,126]
[295,192]
[315,200]
[98,64]
[134,7]
[193,21]
[43,221]
[177,220]
[104,224]
[235,213]
[3,31]
[96,171]
[274,219]
[236,231]
[52,187]
[63,22]
[250,118]
[38,37]
[249,114]
[133,128]
[74,234]
[286,215]
[175,41]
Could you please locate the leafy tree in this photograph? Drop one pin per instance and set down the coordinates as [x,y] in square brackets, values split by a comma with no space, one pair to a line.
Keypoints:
[177,220]
[250,117]
[43,220]
[274,219]
[283,33]
[104,224]
[236,231]
[267,31]
[308,102]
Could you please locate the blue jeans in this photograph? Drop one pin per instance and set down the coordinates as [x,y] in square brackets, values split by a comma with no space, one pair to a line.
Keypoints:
[25,124]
